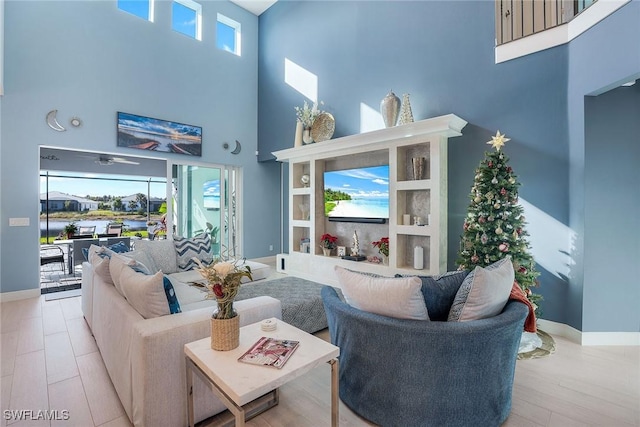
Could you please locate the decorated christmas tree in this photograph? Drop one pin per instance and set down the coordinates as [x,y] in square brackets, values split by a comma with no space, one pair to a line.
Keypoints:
[494,225]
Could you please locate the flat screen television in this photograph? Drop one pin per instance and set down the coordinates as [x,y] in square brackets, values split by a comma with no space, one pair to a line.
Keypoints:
[357,195]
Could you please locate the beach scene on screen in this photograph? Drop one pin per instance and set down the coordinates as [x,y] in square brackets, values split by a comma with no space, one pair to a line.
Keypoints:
[357,193]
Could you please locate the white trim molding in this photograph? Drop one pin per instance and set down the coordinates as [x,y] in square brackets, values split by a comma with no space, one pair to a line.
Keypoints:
[611,338]
[558,35]
[590,338]
[18,295]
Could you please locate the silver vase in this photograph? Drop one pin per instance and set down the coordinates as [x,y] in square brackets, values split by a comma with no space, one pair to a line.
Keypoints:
[418,167]
[390,108]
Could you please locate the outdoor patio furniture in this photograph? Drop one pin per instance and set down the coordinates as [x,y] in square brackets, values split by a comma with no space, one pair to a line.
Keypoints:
[51,254]
[78,245]
[115,229]
[87,230]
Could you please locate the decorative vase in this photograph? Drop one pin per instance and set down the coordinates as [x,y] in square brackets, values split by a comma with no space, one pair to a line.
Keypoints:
[390,108]
[225,333]
[306,136]
[326,251]
[385,259]
[406,115]
[418,167]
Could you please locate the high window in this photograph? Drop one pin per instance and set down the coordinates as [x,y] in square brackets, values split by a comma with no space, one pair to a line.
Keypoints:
[140,8]
[186,18]
[228,35]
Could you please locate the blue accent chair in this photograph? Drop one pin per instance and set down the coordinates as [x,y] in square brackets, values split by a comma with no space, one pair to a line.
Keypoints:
[397,372]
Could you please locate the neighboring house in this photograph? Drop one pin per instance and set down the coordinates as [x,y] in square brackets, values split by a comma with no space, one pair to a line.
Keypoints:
[59,202]
[154,203]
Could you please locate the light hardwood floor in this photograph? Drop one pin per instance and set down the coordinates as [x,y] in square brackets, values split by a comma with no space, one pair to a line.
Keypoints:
[49,360]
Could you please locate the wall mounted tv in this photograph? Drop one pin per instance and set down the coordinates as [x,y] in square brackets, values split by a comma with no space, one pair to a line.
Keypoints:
[357,195]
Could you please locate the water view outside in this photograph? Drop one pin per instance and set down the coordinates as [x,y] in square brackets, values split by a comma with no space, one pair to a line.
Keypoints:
[98,200]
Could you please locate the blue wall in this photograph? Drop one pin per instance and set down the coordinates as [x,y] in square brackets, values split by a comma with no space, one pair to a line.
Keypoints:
[604,145]
[91,60]
[612,201]
[442,53]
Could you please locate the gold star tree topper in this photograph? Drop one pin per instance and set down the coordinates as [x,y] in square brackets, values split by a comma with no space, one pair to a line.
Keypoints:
[498,141]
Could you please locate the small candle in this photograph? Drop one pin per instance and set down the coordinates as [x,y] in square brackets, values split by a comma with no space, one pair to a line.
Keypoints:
[406,219]
[298,139]
[418,258]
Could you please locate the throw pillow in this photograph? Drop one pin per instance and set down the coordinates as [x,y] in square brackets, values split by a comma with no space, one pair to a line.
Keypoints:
[194,247]
[439,292]
[170,293]
[145,293]
[484,292]
[143,258]
[119,247]
[161,252]
[117,265]
[99,261]
[393,297]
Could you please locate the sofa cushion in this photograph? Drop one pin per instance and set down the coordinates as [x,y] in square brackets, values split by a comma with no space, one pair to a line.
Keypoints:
[188,248]
[484,292]
[162,252]
[439,292]
[398,297]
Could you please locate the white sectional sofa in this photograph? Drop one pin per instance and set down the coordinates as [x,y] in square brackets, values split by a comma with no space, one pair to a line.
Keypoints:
[145,356]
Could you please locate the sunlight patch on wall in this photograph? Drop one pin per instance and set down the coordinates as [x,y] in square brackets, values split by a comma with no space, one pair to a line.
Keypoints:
[370,119]
[301,80]
[551,241]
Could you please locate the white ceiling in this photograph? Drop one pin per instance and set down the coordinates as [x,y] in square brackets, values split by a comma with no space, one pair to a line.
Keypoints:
[255,6]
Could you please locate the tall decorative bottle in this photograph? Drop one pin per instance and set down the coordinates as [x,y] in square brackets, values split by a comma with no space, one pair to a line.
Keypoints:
[406,115]
[390,108]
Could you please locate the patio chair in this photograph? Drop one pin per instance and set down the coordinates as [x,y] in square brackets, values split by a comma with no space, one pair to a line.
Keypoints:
[51,254]
[87,230]
[114,229]
[78,246]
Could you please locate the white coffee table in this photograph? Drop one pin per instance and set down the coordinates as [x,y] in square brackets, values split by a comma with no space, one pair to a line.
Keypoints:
[237,383]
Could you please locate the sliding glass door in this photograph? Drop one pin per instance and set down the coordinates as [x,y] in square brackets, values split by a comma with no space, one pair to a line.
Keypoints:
[205,200]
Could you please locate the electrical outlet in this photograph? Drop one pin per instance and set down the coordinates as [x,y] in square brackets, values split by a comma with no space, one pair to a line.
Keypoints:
[271,247]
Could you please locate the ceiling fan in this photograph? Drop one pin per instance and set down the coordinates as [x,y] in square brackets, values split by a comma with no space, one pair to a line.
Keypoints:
[105,160]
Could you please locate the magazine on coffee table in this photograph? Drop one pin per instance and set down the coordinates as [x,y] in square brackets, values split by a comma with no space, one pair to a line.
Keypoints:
[271,352]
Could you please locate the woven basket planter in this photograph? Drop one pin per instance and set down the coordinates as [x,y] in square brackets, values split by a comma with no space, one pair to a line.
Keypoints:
[225,333]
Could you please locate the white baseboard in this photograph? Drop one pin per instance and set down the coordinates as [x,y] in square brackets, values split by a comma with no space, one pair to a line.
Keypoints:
[271,260]
[611,338]
[18,295]
[590,338]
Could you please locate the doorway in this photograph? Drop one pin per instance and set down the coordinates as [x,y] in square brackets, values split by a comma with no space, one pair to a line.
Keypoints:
[98,194]
[205,199]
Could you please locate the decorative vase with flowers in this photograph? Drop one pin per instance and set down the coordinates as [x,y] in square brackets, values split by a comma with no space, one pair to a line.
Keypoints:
[307,115]
[223,282]
[327,243]
[383,248]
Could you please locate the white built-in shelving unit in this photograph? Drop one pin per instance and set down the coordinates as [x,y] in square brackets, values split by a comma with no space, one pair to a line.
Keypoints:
[426,197]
